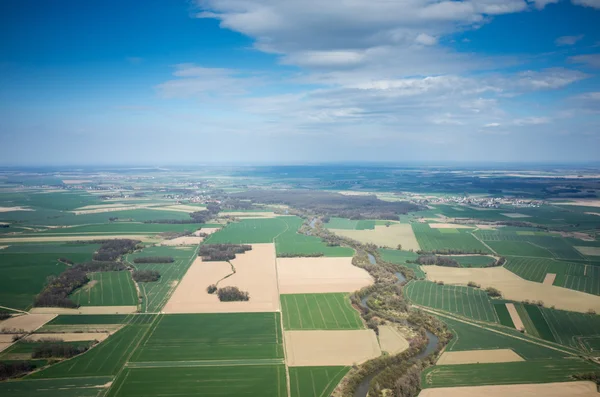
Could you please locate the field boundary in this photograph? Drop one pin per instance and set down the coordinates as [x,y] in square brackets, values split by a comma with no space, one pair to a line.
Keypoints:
[204,363]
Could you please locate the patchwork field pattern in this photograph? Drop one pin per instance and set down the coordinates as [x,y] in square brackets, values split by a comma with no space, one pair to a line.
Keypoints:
[250,380]
[465,301]
[433,239]
[315,381]
[291,242]
[107,289]
[156,294]
[578,330]
[319,311]
[400,258]
[350,224]
[223,336]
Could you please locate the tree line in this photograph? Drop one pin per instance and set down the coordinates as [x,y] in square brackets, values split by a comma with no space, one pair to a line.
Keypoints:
[13,369]
[204,216]
[154,259]
[145,276]
[222,252]
[58,350]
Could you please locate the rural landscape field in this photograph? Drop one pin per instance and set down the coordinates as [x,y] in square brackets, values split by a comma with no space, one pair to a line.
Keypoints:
[208,282]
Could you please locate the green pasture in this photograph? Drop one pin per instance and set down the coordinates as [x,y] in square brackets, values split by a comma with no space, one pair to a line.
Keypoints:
[107,289]
[189,381]
[400,258]
[432,239]
[465,301]
[319,311]
[214,336]
[156,294]
[315,381]
[292,242]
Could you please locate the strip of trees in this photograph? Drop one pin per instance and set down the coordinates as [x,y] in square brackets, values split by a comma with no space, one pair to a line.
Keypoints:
[222,252]
[154,259]
[58,350]
[145,276]
[204,216]
[110,250]
[232,294]
[15,369]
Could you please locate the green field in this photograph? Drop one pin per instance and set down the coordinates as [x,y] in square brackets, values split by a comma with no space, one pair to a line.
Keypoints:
[106,358]
[432,239]
[465,301]
[156,294]
[474,261]
[222,336]
[22,350]
[503,315]
[126,228]
[315,381]
[319,311]
[218,381]
[538,371]
[24,269]
[578,330]
[107,289]
[535,244]
[291,242]
[578,276]
[400,258]
[76,387]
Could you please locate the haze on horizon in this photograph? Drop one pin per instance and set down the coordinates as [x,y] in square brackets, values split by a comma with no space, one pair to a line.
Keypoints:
[264,81]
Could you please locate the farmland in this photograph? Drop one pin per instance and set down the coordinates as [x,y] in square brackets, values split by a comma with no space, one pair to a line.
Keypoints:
[465,301]
[433,239]
[291,242]
[578,330]
[188,381]
[75,387]
[107,289]
[156,294]
[223,336]
[350,224]
[315,381]
[319,311]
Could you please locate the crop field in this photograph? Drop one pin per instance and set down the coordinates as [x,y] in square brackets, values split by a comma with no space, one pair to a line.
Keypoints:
[432,239]
[503,315]
[537,319]
[572,275]
[76,387]
[124,228]
[578,330]
[362,224]
[107,289]
[222,336]
[465,301]
[400,258]
[291,242]
[530,326]
[156,294]
[537,371]
[249,380]
[75,319]
[249,231]
[474,261]
[319,311]
[24,269]
[22,350]
[315,381]
[107,358]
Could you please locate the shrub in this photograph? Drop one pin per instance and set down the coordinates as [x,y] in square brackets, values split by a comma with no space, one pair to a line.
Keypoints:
[493,292]
[4,315]
[232,294]
[211,289]
[473,284]
[146,276]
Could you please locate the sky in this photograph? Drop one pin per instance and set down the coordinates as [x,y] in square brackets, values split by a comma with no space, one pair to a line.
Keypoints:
[160,82]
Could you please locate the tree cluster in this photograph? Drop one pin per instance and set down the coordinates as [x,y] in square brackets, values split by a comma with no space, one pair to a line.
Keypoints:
[211,211]
[4,315]
[330,203]
[435,260]
[15,369]
[145,276]
[232,294]
[211,289]
[111,250]
[222,252]
[452,252]
[57,350]
[154,259]
[298,255]
[493,292]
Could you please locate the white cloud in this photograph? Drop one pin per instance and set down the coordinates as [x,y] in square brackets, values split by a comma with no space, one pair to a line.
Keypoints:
[568,40]
[547,79]
[531,121]
[492,125]
[594,96]
[587,3]
[540,4]
[592,60]
[425,39]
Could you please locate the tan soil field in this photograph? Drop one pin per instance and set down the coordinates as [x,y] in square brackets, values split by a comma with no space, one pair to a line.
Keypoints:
[207,230]
[589,251]
[449,226]
[486,227]
[76,237]
[249,215]
[582,202]
[311,348]
[384,236]
[549,279]
[112,209]
[391,340]
[514,316]
[515,215]
[80,328]
[102,206]
[70,337]
[86,310]
[10,209]
[515,288]
[5,345]
[6,338]
[563,389]
[479,357]
[178,208]
[26,322]
[315,275]
[76,181]
[256,273]
[186,240]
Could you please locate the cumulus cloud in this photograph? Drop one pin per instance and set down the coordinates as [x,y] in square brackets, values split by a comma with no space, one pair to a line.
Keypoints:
[541,4]
[592,60]
[568,40]
[587,3]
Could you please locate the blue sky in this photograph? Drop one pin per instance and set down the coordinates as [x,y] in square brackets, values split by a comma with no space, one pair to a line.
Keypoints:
[299,81]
